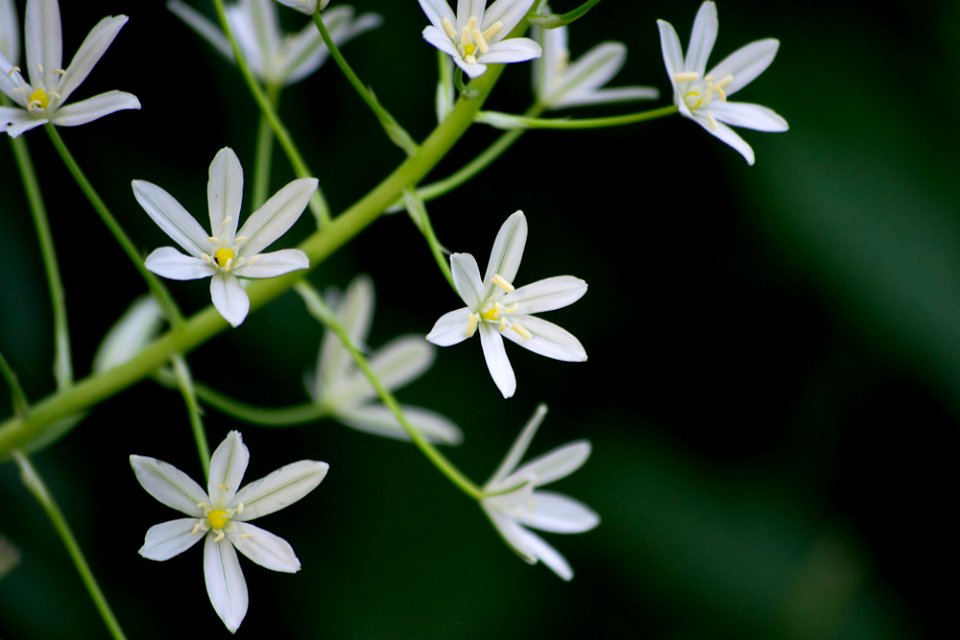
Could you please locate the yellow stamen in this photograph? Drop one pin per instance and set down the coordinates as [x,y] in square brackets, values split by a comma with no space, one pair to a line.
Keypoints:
[472,321]
[218,518]
[223,256]
[712,121]
[492,30]
[38,99]
[521,331]
[220,536]
[448,28]
[686,76]
[481,43]
[503,283]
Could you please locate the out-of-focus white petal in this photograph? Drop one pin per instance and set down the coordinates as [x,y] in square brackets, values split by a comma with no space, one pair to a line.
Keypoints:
[507,251]
[559,514]
[451,328]
[276,490]
[130,334]
[539,548]
[225,584]
[227,466]
[91,109]
[670,46]
[749,116]
[508,12]
[511,531]
[727,135]
[466,277]
[204,27]
[518,449]
[702,38]
[276,215]
[89,54]
[168,539]
[402,360]
[264,548]
[546,295]
[170,263]
[436,11]
[224,193]
[172,218]
[169,485]
[9,31]
[495,356]
[512,50]
[229,298]
[273,263]
[308,7]
[547,339]
[378,420]
[746,63]
[355,312]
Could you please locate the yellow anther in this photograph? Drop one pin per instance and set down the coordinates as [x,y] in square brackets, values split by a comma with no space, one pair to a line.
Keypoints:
[472,321]
[481,43]
[223,256]
[521,331]
[448,28]
[196,527]
[14,69]
[712,121]
[218,518]
[492,30]
[472,23]
[503,283]
[38,98]
[686,76]
[220,536]
[240,508]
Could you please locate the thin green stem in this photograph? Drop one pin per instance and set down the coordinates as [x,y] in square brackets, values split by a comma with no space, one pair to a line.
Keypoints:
[62,361]
[318,204]
[509,121]
[318,308]
[21,408]
[553,20]
[418,212]
[17,432]
[156,287]
[34,483]
[185,382]
[395,132]
[264,153]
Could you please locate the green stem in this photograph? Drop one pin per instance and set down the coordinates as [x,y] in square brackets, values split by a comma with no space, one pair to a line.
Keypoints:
[418,212]
[508,120]
[156,287]
[21,408]
[264,153]
[34,483]
[319,310]
[15,431]
[553,20]
[185,383]
[318,204]
[395,132]
[62,361]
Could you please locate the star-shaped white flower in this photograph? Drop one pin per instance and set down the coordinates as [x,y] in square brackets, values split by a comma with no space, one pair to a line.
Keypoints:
[558,83]
[225,254]
[513,502]
[702,95]
[220,517]
[340,386]
[499,310]
[274,57]
[474,37]
[44,98]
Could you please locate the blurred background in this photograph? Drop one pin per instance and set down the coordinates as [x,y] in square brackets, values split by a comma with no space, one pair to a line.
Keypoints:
[774,350]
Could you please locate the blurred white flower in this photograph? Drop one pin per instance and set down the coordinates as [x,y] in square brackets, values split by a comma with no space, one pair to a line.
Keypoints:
[44,98]
[474,37]
[275,58]
[340,386]
[226,254]
[9,31]
[308,7]
[497,308]
[220,515]
[138,325]
[513,502]
[702,95]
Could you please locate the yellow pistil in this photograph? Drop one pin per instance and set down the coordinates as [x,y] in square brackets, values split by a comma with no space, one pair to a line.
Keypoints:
[223,256]
[492,314]
[218,518]
[38,99]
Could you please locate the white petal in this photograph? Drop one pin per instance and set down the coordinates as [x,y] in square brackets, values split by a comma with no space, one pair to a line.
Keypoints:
[264,548]
[378,420]
[512,50]
[395,364]
[354,311]
[596,67]
[439,39]
[551,466]
[273,263]
[224,194]
[10,80]
[172,218]
[702,39]
[89,54]
[451,328]
[305,52]
[749,116]
[507,251]
[202,26]
[93,108]
[559,514]
[169,485]
[729,136]
[546,295]
[509,12]
[746,63]
[15,121]
[308,7]
[517,449]
[139,324]
[44,42]
[229,298]
[548,339]
[275,491]
[225,584]
[466,276]
[495,356]
[539,548]
[436,11]
[168,539]
[170,263]
[276,215]
[9,31]
[227,466]
[511,532]
[672,51]
[472,70]
[609,96]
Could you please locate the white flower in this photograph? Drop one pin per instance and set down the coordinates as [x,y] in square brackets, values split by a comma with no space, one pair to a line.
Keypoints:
[220,517]
[341,387]
[9,32]
[558,83]
[308,7]
[275,58]
[498,309]
[132,331]
[702,96]
[474,37]
[513,503]
[43,99]
[226,254]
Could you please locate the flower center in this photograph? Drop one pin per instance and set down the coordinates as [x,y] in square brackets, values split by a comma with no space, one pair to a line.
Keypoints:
[38,99]
[700,93]
[470,40]
[224,256]
[218,518]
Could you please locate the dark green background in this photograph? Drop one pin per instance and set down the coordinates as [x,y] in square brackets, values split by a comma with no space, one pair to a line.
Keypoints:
[774,350]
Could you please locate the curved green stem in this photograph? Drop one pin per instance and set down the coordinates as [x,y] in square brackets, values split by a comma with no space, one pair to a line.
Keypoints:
[21,408]
[156,287]
[34,483]
[318,204]
[15,431]
[395,132]
[185,382]
[264,153]
[319,310]
[418,212]
[510,121]
[62,361]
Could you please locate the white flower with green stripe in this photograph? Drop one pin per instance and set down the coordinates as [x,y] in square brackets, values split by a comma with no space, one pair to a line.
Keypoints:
[226,254]
[220,517]
[496,309]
